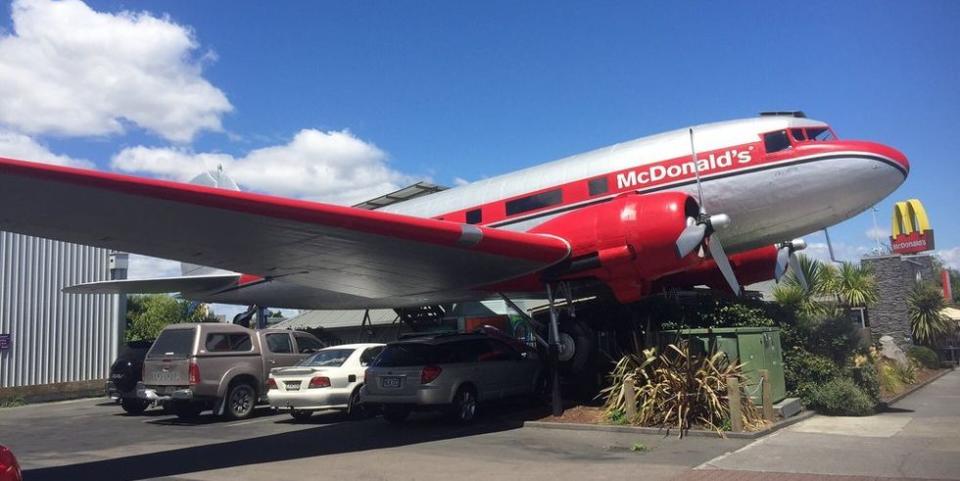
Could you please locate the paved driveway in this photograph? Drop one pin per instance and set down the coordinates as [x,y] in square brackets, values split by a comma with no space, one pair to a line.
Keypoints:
[94,440]
[918,438]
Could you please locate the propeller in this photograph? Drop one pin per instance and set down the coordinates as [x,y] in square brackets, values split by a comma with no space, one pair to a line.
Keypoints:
[785,256]
[702,231]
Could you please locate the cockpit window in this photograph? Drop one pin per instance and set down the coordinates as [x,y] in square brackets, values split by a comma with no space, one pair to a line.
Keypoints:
[776,141]
[798,135]
[820,133]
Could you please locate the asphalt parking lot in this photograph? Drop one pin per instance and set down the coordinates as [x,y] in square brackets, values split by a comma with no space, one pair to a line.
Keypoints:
[93,439]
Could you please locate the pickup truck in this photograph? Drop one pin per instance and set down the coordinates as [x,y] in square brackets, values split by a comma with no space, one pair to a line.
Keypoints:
[223,367]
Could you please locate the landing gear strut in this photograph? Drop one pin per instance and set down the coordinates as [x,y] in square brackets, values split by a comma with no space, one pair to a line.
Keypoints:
[553,349]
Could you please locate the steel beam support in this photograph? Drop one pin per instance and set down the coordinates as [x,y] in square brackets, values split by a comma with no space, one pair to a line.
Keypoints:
[554,355]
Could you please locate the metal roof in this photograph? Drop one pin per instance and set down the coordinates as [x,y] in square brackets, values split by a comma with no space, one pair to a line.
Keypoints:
[419,189]
[336,319]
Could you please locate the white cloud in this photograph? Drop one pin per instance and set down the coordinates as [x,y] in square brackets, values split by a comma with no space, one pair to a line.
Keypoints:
[330,166]
[875,233]
[842,251]
[458,181]
[18,146]
[950,257]
[69,70]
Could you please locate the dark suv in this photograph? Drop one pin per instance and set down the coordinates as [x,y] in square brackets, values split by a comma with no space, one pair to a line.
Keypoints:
[125,373]
[452,372]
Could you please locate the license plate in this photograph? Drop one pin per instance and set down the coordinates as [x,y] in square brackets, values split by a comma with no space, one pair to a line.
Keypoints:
[390,382]
[293,386]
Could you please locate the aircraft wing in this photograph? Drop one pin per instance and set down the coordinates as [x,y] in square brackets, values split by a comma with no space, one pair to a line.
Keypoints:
[362,253]
[157,285]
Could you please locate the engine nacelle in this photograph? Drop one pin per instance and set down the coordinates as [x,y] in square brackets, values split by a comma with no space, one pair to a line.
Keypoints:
[625,242]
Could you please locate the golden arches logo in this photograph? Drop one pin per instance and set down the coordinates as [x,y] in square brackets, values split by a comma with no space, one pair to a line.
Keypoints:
[910,229]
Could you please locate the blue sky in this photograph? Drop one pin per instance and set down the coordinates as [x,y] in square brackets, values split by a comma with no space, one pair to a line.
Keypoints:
[450,90]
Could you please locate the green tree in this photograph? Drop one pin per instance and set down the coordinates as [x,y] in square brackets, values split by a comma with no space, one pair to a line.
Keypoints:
[812,301]
[924,306]
[147,315]
[853,285]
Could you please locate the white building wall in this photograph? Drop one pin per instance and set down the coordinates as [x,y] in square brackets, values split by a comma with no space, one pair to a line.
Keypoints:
[56,337]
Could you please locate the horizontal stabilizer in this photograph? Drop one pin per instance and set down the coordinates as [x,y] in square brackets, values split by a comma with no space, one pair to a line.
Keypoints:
[159,285]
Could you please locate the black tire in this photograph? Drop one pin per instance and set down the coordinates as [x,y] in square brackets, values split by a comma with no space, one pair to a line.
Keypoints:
[355,409]
[541,389]
[395,414]
[465,406]
[300,415]
[240,401]
[134,406]
[186,409]
[584,347]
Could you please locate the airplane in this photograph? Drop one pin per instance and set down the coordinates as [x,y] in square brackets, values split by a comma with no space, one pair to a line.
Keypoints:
[628,220]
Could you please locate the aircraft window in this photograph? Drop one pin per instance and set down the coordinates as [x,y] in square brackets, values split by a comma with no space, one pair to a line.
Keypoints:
[776,141]
[536,201]
[474,216]
[821,133]
[798,135]
[597,186]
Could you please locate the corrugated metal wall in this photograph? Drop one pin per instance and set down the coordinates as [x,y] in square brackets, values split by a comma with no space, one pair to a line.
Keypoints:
[56,337]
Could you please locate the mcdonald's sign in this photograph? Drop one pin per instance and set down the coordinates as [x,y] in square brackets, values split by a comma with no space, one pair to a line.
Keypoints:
[911,232]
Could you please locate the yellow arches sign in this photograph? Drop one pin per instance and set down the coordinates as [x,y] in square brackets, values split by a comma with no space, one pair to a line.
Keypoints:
[910,229]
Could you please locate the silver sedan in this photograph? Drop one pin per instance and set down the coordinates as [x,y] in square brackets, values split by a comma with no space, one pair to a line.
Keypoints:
[328,379]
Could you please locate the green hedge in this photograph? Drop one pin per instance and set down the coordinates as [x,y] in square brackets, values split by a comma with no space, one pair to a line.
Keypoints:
[842,397]
[925,356]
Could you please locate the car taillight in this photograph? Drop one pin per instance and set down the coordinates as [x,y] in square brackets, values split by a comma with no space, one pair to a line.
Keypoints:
[194,373]
[319,381]
[429,373]
[271,383]
[7,460]
[366,377]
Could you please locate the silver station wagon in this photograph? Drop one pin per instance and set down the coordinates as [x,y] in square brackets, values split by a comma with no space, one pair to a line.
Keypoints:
[328,379]
[453,373]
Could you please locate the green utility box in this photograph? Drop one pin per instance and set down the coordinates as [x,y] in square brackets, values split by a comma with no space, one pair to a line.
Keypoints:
[756,347]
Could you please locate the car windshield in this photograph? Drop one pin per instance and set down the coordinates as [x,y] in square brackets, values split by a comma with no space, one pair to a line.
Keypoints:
[327,358]
[172,343]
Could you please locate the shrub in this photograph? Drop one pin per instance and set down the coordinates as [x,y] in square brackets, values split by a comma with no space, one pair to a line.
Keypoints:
[866,378]
[674,390]
[906,372]
[842,397]
[925,356]
[804,371]
[924,306]
[890,381]
[834,338]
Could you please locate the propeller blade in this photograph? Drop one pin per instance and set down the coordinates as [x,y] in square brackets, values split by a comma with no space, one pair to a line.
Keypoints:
[783,256]
[798,272]
[690,238]
[720,257]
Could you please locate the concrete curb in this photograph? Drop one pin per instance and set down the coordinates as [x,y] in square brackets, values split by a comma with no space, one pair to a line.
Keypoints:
[666,432]
[913,389]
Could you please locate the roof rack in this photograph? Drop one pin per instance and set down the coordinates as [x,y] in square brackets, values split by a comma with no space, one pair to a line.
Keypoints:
[785,113]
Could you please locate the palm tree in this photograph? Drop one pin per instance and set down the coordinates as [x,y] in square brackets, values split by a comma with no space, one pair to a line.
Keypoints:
[810,301]
[927,322]
[854,286]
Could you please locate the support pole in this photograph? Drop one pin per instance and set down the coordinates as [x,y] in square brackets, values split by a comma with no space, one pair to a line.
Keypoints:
[630,399]
[261,317]
[733,394]
[529,320]
[766,393]
[554,355]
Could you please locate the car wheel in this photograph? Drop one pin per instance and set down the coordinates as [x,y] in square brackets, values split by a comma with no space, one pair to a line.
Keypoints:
[134,405]
[464,408]
[241,399]
[300,415]
[395,414]
[186,409]
[541,390]
[356,409]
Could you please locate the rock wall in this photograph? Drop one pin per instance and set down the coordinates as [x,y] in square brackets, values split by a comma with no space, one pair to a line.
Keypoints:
[896,276]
